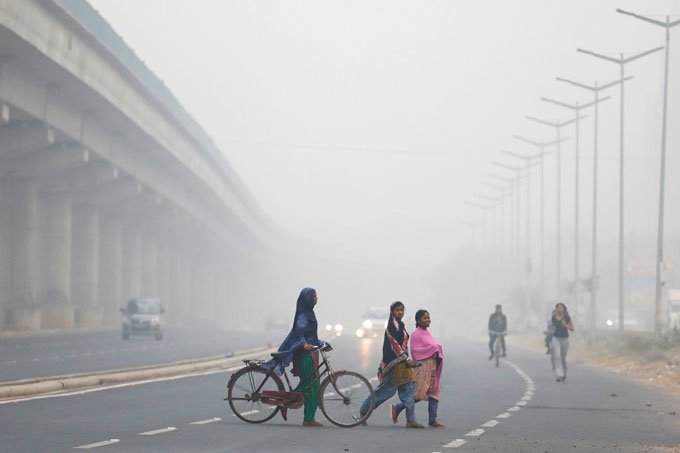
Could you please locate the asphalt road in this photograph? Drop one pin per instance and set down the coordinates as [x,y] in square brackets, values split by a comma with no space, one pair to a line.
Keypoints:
[65,353]
[592,411]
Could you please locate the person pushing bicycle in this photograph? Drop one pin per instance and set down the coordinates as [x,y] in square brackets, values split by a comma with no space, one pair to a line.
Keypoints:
[498,325]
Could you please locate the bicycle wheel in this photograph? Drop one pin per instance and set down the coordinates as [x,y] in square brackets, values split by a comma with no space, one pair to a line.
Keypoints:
[244,399]
[340,402]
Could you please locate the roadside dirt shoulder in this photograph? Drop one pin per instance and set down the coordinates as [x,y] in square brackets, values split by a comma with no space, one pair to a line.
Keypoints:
[638,356]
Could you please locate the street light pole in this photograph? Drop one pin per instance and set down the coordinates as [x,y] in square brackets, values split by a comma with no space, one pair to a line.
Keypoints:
[527,226]
[515,235]
[576,108]
[621,61]
[558,125]
[595,89]
[541,155]
[662,180]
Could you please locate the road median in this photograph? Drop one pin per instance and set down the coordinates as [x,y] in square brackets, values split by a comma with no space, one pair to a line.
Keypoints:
[83,381]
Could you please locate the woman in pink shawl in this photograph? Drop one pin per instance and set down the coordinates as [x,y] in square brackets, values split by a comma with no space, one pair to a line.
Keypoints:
[425,349]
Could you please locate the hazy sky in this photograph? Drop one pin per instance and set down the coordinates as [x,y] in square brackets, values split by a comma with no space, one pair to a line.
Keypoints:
[369,124]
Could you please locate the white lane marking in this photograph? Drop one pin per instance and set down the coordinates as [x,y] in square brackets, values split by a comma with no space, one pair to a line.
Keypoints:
[98,444]
[127,384]
[205,422]
[455,444]
[490,423]
[247,413]
[158,431]
[504,415]
[513,409]
[10,362]
[328,394]
[475,433]
[54,357]
[521,403]
[525,398]
[34,360]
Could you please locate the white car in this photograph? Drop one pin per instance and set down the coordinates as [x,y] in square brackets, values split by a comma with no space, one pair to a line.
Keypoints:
[375,322]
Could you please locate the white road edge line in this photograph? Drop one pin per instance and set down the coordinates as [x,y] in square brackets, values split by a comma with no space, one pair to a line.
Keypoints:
[455,444]
[98,444]
[158,431]
[127,384]
[206,421]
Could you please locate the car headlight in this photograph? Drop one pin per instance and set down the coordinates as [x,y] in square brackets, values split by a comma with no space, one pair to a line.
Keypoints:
[360,333]
[367,324]
[610,322]
[329,327]
[338,328]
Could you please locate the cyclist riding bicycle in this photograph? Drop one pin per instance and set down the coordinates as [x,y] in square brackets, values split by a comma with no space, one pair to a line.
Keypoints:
[498,324]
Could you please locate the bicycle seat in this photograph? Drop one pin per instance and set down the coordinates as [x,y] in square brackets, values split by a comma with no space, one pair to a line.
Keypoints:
[280,354]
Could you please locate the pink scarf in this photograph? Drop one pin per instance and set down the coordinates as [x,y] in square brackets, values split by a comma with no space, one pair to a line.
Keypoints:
[423,346]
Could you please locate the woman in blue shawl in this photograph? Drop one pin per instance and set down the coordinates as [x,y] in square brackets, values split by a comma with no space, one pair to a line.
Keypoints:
[302,338]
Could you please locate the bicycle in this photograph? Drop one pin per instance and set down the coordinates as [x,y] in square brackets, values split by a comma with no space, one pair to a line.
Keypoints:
[497,347]
[256,393]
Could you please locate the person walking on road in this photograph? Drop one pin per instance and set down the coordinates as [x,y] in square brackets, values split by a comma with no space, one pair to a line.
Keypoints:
[561,324]
[395,373]
[498,324]
[302,338]
[425,349]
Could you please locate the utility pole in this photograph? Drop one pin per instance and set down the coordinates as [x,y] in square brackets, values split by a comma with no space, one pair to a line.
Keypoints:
[662,180]
[576,108]
[621,61]
[558,125]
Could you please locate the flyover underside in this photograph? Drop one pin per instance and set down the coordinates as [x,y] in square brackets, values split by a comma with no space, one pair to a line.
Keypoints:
[93,211]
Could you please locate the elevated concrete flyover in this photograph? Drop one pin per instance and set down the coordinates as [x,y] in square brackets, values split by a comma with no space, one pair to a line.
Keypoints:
[108,189]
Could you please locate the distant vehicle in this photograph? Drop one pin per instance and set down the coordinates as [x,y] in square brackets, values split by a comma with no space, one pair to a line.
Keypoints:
[630,321]
[142,317]
[277,323]
[674,308]
[375,322]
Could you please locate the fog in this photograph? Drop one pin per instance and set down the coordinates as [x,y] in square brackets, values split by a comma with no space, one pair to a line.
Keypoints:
[363,129]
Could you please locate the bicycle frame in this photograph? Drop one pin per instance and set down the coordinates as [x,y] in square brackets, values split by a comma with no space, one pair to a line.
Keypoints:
[304,384]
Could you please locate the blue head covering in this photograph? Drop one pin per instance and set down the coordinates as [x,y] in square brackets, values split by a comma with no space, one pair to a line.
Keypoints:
[304,330]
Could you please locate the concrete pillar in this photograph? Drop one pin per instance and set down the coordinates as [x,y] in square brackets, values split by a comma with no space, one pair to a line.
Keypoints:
[54,292]
[110,271]
[85,265]
[163,272]
[19,222]
[131,266]
[149,265]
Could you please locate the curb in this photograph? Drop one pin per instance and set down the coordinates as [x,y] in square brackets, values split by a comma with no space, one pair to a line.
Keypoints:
[55,384]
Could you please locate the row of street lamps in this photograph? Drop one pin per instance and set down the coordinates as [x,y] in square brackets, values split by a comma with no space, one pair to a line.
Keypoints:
[524,172]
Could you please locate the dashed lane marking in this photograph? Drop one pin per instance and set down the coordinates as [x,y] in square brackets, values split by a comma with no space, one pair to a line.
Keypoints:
[247,413]
[98,444]
[525,398]
[205,422]
[521,403]
[513,409]
[475,433]
[158,431]
[455,444]
[504,415]
[490,423]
